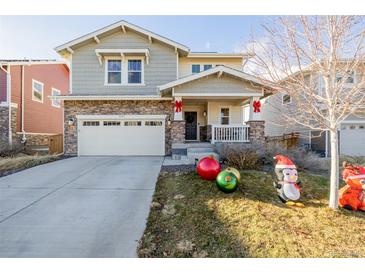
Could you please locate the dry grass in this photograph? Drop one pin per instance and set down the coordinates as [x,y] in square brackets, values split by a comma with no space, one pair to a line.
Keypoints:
[250,222]
[22,161]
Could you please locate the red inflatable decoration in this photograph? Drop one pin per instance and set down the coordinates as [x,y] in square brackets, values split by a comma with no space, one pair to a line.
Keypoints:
[208,168]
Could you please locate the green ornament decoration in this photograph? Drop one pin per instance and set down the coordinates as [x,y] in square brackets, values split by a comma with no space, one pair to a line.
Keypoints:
[226,181]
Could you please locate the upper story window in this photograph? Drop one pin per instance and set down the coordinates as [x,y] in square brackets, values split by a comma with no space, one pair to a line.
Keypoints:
[55,102]
[286,99]
[195,68]
[134,71]
[350,78]
[208,66]
[128,71]
[37,91]
[114,70]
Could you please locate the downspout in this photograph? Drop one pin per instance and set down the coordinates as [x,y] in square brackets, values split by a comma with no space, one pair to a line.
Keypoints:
[24,139]
[8,94]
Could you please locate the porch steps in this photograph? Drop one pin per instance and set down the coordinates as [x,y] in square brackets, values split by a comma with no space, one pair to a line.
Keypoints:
[196,153]
[190,153]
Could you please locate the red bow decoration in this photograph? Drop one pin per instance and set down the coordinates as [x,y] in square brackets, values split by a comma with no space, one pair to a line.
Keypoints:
[178,106]
[256,106]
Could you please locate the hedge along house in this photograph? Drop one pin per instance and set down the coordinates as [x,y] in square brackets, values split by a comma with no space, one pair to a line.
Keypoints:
[27,115]
[134,92]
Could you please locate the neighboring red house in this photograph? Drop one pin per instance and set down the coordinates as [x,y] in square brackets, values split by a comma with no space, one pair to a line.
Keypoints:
[31,116]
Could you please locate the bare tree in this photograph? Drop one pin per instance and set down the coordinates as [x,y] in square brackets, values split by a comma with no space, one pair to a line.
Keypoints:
[319,62]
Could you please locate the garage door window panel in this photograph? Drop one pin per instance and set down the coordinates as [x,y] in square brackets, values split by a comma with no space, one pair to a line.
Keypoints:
[132,123]
[91,123]
[153,123]
[111,123]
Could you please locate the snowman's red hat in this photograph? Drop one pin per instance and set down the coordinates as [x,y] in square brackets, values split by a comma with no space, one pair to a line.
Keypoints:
[283,162]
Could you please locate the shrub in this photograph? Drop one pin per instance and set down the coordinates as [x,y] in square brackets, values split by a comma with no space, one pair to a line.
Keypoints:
[251,156]
[241,157]
[7,150]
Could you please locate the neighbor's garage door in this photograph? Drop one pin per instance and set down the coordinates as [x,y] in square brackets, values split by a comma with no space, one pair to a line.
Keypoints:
[352,139]
[121,136]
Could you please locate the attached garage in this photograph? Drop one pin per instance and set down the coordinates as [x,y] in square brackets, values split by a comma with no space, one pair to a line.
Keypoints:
[352,139]
[132,135]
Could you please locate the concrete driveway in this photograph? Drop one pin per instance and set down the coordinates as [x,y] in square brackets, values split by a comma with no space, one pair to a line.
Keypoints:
[77,207]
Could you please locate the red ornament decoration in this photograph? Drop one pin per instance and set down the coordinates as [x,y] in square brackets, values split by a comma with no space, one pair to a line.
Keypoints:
[178,106]
[208,168]
[256,106]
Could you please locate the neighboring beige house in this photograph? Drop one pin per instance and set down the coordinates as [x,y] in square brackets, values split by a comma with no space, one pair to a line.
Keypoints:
[351,134]
[133,92]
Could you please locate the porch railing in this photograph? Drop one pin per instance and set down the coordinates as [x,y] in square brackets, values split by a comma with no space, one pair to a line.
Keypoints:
[230,133]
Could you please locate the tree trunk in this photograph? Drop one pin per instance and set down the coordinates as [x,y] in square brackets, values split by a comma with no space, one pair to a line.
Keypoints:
[334,181]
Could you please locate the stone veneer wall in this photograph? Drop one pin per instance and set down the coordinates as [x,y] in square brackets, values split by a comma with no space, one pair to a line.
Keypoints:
[4,123]
[73,108]
[178,131]
[256,131]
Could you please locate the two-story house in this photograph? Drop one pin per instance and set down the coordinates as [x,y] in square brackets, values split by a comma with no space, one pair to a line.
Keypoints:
[351,132]
[27,115]
[134,92]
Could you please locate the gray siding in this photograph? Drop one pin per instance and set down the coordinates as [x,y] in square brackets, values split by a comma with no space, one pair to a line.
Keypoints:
[88,74]
[213,84]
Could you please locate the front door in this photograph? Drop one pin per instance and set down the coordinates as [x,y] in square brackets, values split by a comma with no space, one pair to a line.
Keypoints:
[191,125]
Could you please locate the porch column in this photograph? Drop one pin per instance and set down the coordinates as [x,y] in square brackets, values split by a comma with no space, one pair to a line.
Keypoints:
[255,110]
[178,109]
[256,123]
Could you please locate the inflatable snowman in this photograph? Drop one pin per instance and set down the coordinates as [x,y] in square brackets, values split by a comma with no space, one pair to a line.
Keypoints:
[287,186]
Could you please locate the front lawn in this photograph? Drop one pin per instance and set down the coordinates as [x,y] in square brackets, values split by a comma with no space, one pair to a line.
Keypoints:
[9,165]
[191,218]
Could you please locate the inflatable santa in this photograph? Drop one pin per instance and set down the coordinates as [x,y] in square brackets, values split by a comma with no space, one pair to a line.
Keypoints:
[351,196]
[287,186]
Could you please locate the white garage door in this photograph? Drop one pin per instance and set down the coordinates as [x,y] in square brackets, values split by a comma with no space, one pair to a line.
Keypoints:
[131,135]
[352,138]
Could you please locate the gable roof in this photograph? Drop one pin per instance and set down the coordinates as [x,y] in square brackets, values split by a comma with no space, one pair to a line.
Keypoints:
[122,25]
[218,69]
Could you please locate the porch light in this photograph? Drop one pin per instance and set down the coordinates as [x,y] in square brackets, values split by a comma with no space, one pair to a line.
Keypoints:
[169,121]
[204,113]
[71,121]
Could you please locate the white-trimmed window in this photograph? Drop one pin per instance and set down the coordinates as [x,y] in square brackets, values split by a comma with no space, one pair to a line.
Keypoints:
[224,116]
[113,71]
[37,91]
[207,66]
[286,99]
[55,102]
[195,68]
[135,71]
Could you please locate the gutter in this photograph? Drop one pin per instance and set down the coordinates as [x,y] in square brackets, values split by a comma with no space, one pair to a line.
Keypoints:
[8,94]
[109,97]
[24,139]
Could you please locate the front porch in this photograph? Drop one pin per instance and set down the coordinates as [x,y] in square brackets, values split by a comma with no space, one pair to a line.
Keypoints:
[216,121]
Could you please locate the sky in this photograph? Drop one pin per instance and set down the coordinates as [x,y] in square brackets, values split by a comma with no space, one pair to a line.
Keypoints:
[35,37]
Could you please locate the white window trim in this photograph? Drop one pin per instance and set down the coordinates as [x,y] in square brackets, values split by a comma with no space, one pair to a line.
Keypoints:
[202,66]
[229,115]
[124,72]
[33,97]
[53,100]
[142,70]
[282,100]
[106,71]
